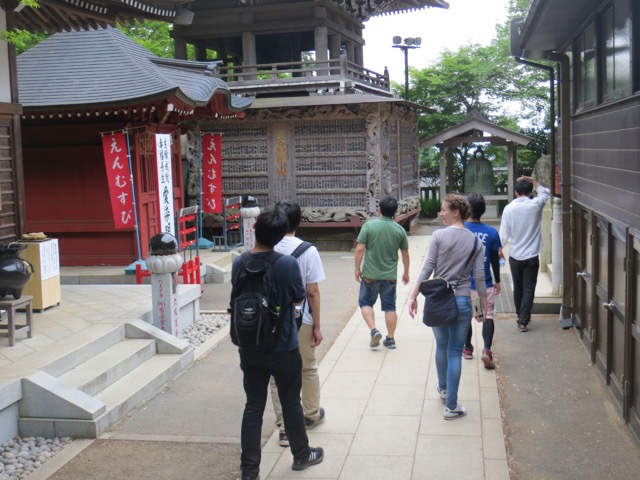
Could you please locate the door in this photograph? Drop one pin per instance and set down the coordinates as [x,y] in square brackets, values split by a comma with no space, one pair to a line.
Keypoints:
[603,311]
[616,304]
[633,334]
[583,265]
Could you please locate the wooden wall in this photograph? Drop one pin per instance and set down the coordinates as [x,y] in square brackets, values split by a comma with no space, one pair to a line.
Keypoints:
[606,160]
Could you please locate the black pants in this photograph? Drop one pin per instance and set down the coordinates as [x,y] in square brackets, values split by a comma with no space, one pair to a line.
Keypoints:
[525,276]
[258,368]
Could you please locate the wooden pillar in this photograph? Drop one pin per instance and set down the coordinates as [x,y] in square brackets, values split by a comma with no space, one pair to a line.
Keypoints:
[249,55]
[443,176]
[358,55]
[321,45]
[511,168]
[180,48]
[200,52]
[334,45]
[350,51]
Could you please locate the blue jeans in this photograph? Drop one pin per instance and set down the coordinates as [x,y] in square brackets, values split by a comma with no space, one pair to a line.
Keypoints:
[370,289]
[449,344]
[286,369]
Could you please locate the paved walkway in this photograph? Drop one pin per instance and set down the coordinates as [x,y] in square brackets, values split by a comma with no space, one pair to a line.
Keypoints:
[385,419]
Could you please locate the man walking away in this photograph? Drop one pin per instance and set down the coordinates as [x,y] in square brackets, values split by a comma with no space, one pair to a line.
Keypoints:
[520,225]
[282,361]
[309,334]
[379,242]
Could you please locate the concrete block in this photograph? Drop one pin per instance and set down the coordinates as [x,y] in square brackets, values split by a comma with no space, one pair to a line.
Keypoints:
[165,342]
[216,274]
[44,396]
[9,422]
[10,392]
[76,429]
[37,427]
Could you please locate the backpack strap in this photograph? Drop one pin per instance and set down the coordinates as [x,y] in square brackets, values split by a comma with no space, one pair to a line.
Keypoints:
[303,247]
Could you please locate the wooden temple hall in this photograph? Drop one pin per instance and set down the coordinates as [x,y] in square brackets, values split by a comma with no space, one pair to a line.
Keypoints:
[324,130]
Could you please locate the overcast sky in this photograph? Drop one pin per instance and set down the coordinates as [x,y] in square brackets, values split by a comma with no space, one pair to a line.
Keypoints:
[440,29]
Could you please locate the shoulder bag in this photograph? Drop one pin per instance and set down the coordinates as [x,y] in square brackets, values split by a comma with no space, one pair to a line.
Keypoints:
[440,307]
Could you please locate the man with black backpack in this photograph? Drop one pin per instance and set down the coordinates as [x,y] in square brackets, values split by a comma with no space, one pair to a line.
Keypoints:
[309,333]
[265,287]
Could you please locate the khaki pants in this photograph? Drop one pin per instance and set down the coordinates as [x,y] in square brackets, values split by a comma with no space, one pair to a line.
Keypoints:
[310,394]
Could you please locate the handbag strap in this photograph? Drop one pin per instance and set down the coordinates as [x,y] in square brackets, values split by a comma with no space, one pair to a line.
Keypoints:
[473,250]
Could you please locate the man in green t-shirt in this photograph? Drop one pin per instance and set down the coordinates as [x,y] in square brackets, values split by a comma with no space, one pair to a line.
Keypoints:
[381,238]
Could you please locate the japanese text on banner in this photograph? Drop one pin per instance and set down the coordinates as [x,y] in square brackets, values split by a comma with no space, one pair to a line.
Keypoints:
[165,182]
[212,172]
[114,147]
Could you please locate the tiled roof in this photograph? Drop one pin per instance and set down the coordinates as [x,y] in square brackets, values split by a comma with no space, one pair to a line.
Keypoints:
[104,67]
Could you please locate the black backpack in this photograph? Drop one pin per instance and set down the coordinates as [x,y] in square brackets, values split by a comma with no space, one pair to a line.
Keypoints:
[300,249]
[255,313]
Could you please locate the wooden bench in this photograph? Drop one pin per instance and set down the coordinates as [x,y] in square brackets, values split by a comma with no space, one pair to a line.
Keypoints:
[11,305]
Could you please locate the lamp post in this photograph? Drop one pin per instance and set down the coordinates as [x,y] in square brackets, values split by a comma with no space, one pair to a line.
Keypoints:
[405,45]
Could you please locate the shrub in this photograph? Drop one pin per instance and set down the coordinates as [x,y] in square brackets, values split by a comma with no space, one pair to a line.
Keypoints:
[429,208]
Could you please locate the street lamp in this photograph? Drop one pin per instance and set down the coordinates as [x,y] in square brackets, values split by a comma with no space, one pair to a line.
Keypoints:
[405,45]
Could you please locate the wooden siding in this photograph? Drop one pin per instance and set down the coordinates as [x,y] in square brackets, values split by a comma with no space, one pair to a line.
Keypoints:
[8,195]
[606,161]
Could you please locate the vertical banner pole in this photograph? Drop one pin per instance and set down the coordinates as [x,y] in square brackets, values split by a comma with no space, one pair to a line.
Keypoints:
[131,269]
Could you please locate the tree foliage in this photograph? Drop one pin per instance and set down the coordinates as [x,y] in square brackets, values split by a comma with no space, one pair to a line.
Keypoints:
[484,78]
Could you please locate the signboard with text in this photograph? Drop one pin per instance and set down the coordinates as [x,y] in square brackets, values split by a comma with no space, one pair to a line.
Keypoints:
[212,173]
[114,147]
[165,182]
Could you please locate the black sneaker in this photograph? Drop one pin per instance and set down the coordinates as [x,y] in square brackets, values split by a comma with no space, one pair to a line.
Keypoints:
[376,336]
[316,455]
[283,440]
[390,343]
[313,423]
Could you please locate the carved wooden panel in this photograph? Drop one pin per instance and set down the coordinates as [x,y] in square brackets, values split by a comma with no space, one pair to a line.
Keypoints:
[330,163]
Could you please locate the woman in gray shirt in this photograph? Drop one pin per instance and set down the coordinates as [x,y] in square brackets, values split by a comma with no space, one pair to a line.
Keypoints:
[448,251]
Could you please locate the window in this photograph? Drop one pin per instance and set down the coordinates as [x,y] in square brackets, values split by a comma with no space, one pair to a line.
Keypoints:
[586,67]
[616,43]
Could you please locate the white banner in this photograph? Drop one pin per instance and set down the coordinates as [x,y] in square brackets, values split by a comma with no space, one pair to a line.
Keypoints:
[165,182]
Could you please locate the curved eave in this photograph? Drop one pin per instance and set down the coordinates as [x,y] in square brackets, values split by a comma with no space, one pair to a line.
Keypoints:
[67,15]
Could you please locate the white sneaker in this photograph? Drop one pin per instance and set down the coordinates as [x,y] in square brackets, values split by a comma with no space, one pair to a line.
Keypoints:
[441,393]
[450,414]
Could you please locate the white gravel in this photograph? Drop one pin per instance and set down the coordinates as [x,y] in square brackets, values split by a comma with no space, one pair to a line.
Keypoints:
[202,329]
[22,456]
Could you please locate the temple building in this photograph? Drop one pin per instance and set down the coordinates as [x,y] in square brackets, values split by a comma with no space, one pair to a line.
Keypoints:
[98,82]
[324,130]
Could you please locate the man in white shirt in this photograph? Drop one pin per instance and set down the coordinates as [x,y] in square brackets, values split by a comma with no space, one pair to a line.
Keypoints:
[309,335]
[520,225]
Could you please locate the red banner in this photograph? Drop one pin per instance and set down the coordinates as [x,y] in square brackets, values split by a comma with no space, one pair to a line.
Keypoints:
[114,147]
[212,172]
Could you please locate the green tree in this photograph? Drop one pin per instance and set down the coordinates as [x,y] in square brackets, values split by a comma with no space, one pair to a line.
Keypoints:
[487,79]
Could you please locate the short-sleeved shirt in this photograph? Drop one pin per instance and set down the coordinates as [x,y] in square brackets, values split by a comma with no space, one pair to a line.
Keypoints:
[289,288]
[310,266]
[382,236]
[490,238]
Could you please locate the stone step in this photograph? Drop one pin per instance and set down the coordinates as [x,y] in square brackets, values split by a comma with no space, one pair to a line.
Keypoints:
[108,366]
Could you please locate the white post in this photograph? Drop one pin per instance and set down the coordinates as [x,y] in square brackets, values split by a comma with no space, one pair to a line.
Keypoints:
[249,216]
[164,283]
[556,247]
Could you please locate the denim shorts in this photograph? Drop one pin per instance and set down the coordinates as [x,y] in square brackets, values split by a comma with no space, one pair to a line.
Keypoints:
[370,289]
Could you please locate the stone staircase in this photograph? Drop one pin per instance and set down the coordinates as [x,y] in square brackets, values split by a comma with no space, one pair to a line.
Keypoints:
[85,385]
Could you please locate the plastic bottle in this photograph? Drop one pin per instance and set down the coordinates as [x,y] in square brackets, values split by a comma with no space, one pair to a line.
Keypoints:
[502,262]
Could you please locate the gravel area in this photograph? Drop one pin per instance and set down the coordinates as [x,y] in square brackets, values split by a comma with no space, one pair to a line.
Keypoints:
[21,456]
[202,329]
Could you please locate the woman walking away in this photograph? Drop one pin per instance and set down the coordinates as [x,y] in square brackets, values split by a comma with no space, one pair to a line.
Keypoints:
[449,250]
